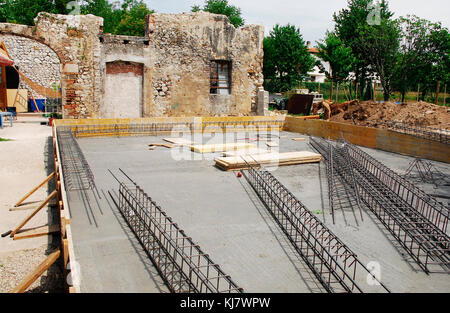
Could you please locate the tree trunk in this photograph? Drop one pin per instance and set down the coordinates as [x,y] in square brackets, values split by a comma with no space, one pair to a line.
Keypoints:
[331,93]
[437,92]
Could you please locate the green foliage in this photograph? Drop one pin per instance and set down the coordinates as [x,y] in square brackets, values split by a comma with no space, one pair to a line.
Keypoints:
[423,57]
[123,18]
[24,11]
[351,23]
[381,42]
[132,22]
[128,18]
[340,58]
[222,7]
[286,58]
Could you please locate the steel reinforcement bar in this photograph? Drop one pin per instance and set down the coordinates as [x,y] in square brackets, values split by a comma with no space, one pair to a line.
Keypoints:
[417,232]
[342,191]
[182,264]
[427,206]
[425,243]
[146,129]
[331,261]
[76,170]
[430,133]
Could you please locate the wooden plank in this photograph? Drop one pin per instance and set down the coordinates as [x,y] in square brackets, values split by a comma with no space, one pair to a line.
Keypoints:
[31,278]
[298,139]
[222,147]
[37,232]
[166,145]
[244,152]
[24,208]
[51,196]
[179,141]
[276,159]
[34,189]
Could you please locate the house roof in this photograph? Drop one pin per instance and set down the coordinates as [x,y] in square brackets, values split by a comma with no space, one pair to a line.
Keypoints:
[313,50]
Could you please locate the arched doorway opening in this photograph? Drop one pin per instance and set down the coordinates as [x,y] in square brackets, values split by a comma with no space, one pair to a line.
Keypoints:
[34,81]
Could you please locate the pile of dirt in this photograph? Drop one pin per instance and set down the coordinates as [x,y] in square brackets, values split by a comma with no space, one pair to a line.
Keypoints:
[371,113]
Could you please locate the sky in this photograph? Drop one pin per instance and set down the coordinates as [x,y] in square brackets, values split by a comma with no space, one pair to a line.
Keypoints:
[313,17]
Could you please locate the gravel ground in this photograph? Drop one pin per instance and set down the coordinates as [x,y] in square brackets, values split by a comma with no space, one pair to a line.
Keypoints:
[26,160]
[14,267]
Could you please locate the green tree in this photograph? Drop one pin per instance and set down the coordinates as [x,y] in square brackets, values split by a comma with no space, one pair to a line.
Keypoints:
[381,43]
[132,22]
[110,13]
[351,23]
[423,57]
[340,58]
[128,18]
[222,7]
[24,11]
[286,58]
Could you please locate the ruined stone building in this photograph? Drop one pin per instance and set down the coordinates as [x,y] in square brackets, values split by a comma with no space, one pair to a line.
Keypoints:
[190,64]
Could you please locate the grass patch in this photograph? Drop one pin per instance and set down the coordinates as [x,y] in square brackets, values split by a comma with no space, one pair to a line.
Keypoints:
[3,139]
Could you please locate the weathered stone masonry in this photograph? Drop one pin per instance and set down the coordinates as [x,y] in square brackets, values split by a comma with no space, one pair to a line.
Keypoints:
[171,65]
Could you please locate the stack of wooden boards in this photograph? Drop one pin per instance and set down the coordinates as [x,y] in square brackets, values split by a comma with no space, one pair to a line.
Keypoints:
[235,163]
[222,147]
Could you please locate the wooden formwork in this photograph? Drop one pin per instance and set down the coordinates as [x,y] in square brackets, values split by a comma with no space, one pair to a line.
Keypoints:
[381,139]
[67,251]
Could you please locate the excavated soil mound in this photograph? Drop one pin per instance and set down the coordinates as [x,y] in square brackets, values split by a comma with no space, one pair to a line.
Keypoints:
[370,113]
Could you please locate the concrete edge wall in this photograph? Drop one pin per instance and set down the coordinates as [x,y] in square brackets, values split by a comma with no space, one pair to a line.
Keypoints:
[369,137]
[71,122]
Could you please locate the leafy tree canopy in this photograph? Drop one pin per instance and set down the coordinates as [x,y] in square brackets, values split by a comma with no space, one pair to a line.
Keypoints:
[340,57]
[125,18]
[286,58]
[222,7]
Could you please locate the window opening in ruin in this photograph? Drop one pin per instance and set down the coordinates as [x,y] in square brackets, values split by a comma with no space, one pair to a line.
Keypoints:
[220,74]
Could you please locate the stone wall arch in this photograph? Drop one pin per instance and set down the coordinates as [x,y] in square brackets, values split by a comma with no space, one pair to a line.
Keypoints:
[75,40]
[36,61]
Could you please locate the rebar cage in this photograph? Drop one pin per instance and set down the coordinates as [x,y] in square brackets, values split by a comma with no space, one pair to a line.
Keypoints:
[182,264]
[153,129]
[430,133]
[77,172]
[331,261]
[417,221]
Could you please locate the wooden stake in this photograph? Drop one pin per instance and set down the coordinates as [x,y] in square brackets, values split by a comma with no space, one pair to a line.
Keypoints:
[418,92]
[31,278]
[34,189]
[437,92]
[37,232]
[445,95]
[51,196]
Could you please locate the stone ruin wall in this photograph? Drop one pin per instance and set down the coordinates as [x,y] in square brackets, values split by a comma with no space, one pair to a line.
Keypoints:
[75,41]
[35,60]
[175,57]
[181,49]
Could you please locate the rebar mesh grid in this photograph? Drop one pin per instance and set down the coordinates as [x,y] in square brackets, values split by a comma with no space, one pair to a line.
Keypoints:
[331,261]
[342,193]
[429,133]
[76,170]
[182,264]
[424,171]
[417,223]
[153,129]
